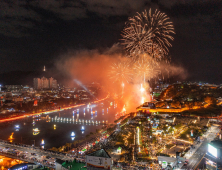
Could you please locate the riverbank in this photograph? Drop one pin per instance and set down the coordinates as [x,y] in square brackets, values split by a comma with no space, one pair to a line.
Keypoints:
[48,112]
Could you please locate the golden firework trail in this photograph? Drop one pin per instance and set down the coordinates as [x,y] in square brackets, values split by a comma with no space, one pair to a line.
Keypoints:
[121,72]
[146,67]
[148,33]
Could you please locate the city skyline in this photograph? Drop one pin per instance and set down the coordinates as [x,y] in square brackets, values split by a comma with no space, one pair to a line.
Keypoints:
[110,84]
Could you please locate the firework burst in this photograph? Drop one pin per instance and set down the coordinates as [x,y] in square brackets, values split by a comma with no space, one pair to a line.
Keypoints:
[121,72]
[146,67]
[148,33]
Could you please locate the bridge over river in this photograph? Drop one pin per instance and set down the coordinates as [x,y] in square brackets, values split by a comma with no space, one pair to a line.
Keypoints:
[32,154]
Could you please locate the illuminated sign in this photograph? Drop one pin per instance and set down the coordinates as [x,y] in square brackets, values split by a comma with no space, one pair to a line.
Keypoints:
[210,164]
[191,133]
[212,150]
[98,162]
[164,164]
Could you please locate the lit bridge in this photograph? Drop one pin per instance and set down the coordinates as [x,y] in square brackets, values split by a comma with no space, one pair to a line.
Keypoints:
[79,121]
[30,149]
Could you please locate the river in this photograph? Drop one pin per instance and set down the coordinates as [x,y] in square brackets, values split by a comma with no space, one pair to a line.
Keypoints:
[56,128]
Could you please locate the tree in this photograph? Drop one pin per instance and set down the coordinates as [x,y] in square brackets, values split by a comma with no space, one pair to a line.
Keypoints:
[160,104]
[54,149]
[154,140]
[179,125]
[209,100]
[198,103]
[109,129]
[189,105]
[176,104]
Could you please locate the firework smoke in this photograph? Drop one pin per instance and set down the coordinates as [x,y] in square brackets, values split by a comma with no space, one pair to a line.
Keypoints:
[146,38]
[90,66]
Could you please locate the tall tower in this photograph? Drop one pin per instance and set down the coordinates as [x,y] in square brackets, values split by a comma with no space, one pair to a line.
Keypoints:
[44,68]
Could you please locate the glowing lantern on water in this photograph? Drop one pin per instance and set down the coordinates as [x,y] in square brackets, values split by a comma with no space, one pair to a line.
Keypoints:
[72,134]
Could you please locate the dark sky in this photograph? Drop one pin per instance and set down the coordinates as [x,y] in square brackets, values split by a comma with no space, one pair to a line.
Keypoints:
[34,33]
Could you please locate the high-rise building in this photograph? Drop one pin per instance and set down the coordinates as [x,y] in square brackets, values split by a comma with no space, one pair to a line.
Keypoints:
[52,83]
[37,83]
[14,88]
[44,83]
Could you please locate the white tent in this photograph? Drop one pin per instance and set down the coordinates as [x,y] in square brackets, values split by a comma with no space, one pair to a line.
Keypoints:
[164,161]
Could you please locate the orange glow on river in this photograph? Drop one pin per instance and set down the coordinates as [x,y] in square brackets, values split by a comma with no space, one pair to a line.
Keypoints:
[47,112]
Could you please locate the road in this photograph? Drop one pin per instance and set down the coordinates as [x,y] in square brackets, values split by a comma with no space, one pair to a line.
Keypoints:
[39,158]
[201,149]
[197,156]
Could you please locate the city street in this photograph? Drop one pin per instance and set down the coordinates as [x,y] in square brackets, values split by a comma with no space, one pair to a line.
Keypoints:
[197,154]
[33,155]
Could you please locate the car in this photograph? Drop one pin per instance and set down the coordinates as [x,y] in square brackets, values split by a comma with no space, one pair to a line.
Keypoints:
[48,157]
[34,159]
[24,156]
[34,154]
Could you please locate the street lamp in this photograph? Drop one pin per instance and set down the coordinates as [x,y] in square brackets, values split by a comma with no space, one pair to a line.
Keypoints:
[34,142]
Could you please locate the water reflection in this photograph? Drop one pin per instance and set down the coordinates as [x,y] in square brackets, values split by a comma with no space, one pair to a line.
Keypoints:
[11,137]
[16,126]
[35,133]
[51,132]
[42,142]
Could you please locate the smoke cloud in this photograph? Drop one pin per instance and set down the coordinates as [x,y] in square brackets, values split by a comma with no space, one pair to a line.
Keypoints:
[89,66]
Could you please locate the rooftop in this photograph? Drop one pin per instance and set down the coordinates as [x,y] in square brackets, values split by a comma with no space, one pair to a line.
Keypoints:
[217,143]
[100,153]
[60,161]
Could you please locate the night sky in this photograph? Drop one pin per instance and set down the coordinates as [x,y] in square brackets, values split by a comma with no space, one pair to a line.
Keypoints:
[34,33]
